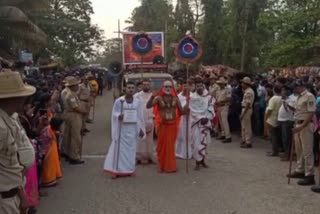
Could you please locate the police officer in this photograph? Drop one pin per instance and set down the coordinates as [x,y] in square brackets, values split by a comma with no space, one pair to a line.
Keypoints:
[84,94]
[223,103]
[16,151]
[73,115]
[303,135]
[246,112]
[214,87]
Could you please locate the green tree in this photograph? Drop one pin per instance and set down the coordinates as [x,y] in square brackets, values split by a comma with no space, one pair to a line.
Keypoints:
[112,52]
[212,31]
[294,27]
[184,18]
[71,36]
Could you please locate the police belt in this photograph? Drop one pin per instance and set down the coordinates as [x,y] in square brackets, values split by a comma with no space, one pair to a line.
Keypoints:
[86,101]
[9,194]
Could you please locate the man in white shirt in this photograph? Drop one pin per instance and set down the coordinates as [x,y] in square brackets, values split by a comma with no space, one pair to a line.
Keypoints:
[286,120]
[271,118]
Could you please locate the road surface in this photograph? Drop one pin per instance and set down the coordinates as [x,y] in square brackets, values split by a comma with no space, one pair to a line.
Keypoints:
[237,182]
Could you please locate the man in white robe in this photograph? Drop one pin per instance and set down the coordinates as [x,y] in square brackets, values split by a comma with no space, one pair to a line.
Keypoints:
[127,126]
[145,149]
[181,142]
[201,114]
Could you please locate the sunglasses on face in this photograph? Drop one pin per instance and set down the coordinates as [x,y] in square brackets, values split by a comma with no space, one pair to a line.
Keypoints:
[168,86]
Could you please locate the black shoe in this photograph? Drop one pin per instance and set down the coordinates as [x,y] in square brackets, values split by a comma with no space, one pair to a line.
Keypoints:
[204,165]
[246,146]
[296,175]
[227,140]
[65,156]
[272,154]
[307,181]
[221,138]
[316,189]
[76,162]
[89,121]
[242,143]
[86,130]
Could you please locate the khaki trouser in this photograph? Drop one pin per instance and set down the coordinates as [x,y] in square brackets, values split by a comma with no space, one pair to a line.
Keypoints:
[86,107]
[71,144]
[223,112]
[246,129]
[304,150]
[10,205]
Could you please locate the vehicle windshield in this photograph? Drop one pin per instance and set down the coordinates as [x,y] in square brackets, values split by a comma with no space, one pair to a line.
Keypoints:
[154,83]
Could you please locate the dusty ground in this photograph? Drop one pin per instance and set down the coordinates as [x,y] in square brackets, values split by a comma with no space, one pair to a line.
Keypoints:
[237,182]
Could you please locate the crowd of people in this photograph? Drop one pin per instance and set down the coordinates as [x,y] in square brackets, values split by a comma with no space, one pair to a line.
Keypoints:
[40,122]
[186,117]
[43,119]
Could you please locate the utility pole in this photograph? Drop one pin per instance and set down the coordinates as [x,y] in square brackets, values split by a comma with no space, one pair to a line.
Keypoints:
[165,41]
[119,32]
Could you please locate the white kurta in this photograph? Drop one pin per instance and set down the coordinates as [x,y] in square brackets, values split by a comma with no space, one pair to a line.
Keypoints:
[121,157]
[181,142]
[145,149]
[200,107]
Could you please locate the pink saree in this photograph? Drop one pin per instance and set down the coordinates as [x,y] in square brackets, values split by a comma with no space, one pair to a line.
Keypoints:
[31,187]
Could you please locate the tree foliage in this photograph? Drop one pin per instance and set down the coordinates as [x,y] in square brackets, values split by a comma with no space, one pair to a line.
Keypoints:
[245,34]
[71,35]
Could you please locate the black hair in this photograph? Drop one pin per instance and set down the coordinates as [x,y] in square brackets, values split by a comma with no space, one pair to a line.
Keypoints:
[139,83]
[55,123]
[277,89]
[130,83]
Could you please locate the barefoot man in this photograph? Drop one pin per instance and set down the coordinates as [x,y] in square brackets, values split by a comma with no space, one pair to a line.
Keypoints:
[127,126]
[167,110]
[201,114]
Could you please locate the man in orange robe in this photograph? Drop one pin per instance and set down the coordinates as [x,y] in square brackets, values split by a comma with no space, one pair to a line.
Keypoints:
[167,109]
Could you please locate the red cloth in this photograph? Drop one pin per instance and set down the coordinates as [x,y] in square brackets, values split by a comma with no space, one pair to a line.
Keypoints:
[167,132]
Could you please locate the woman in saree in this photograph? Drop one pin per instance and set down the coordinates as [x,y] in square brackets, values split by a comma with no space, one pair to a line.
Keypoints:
[51,168]
[31,185]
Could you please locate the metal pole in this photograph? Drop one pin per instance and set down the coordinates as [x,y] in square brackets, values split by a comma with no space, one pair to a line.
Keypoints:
[187,124]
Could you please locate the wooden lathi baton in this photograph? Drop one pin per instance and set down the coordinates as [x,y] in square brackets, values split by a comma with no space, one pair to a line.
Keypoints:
[94,108]
[291,158]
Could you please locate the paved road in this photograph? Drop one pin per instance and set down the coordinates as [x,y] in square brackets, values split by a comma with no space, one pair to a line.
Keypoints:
[237,182]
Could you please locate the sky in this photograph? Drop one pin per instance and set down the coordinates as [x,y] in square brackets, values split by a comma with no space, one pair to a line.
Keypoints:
[107,13]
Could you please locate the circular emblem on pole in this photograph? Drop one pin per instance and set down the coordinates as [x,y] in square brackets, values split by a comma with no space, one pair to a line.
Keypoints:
[141,43]
[188,50]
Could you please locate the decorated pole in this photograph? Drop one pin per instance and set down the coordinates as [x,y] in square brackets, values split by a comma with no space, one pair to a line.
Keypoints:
[188,51]
[142,45]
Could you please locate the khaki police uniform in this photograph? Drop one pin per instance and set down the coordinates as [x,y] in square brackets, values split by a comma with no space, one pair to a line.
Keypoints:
[223,111]
[85,100]
[246,128]
[213,89]
[306,104]
[71,144]
[16,155]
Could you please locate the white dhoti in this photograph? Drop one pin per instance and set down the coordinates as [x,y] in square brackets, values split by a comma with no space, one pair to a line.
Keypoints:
[201,107]
[200,138]
[121,157]
[145,149]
